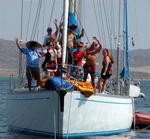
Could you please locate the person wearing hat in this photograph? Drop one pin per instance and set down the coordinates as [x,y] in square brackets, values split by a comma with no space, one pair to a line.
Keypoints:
[48,37]
[53,39]
[52,36]
[32,60]
[91,57]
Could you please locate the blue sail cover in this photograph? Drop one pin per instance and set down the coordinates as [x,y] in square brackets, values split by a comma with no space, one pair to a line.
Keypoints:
[126,37]
[72,21]
[124,73]
[78,32]
[58,83]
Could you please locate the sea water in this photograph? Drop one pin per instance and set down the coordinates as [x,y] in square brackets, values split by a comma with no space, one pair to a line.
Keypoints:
[141,105]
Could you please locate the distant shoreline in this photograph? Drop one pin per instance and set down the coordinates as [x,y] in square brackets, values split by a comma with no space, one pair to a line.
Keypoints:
[7,72]
[145,69]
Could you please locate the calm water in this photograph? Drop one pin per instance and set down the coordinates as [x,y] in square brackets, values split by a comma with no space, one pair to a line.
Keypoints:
[142,105]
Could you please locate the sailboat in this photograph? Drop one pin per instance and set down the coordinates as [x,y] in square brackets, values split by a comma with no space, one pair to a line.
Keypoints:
[65,113]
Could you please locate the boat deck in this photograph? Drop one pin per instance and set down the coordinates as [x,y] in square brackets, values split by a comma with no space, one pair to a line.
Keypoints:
[43,90]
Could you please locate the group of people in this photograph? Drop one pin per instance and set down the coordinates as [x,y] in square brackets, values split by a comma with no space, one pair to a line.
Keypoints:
[76,52]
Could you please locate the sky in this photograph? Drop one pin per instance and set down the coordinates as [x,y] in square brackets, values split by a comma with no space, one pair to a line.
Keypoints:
[10,19]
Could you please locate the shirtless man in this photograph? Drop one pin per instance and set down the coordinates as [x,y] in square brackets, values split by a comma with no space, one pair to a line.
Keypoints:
[91,57]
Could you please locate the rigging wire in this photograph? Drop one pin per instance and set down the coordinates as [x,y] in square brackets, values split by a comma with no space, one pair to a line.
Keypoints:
[20,54]
[96,18]
[83,17]
[37,33]
[81,24]
[33,28]
[102,25]
[118,48]
[101,21]
[112,17]
[36,19]
[119,24]
[52,12]
[43,17]
[37,22]
[135,36]
[106,21]
[29,17]
[112,25]
[21,27]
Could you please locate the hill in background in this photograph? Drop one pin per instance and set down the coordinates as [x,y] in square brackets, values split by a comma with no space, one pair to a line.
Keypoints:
[9,60]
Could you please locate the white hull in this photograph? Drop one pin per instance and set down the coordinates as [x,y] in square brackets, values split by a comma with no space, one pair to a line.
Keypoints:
[40,112]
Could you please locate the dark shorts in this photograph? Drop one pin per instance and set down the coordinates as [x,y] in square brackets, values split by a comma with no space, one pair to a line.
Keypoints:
[106,76]
[33,73]
[89,69]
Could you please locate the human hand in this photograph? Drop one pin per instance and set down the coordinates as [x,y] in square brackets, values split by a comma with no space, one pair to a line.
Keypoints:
[104,74]
[56,23]
[17,41]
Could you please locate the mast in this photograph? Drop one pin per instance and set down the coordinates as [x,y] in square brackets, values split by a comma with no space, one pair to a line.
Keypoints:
[72,5]
[69,19]
[65,28]
[72,12]
[20,54]
[126,36]
[118,52]
[125,71]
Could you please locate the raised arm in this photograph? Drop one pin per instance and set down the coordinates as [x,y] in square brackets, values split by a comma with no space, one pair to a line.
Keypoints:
[100,45]
[58,28]
[96,49]
[18,44]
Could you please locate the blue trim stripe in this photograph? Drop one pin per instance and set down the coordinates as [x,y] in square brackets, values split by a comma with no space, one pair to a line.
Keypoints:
[76,99]
[72,135]
[101,133]
[102,101]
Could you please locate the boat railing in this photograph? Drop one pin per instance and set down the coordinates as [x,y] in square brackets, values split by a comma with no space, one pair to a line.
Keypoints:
[70,71]
[12,82]
[16,82]
[111,87]
[76,73]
